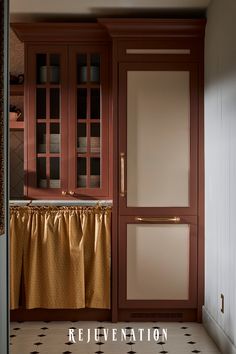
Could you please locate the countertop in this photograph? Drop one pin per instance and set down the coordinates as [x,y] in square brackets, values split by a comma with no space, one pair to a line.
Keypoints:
[60,202]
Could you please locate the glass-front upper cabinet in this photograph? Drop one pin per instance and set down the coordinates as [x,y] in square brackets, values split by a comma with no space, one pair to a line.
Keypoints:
[89,112]
[46,121]
[67,106]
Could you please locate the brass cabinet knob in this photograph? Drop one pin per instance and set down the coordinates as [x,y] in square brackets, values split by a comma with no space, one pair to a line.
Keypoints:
[64,193]
[72,193]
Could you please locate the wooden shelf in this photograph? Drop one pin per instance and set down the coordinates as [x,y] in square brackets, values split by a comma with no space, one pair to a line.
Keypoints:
[14,125]
[17,90]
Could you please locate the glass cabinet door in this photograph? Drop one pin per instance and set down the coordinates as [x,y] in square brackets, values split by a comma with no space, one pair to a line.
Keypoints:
[89,111]
[46,121]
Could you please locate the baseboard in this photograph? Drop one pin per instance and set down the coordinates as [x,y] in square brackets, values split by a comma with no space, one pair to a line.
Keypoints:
[86,314]
[218,335]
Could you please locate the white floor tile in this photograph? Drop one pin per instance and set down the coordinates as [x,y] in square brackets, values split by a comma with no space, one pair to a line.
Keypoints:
[52,338]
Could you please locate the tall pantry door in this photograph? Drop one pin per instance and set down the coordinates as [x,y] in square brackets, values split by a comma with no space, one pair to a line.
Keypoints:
[158,132]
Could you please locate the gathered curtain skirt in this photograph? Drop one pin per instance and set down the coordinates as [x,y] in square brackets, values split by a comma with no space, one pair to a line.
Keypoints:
[61,255]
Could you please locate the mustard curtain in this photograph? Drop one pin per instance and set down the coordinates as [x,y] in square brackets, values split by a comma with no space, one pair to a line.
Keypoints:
[63,256]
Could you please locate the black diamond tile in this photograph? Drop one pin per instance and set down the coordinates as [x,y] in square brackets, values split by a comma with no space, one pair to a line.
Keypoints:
[38,343]
[16,329]
[128,327]
[191,342]
[69,343]
[44,328]
[66,352]
[130,343]
[72,327]
[188,334]
[163,352]
[100,327]
[131,352]
[161,343]
[12,335]
[41,335]
[156,327]
[128,335]
[99,343]
[101,335]
[196,351]
[99,352]
[184,327]
[34,352]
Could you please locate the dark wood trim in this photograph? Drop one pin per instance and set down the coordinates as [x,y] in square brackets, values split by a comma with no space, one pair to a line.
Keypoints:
[140,27]
[17,90]
[60,315]
[160,43]
[60,32]
[115,220]
[201,192]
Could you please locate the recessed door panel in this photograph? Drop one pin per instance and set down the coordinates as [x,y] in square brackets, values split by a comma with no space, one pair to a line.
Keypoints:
[158,262]
[158,135]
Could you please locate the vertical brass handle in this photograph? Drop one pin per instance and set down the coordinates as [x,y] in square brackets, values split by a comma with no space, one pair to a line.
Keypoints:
[122,174]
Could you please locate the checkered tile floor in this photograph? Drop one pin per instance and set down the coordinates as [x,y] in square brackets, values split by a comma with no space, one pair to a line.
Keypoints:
[52,338]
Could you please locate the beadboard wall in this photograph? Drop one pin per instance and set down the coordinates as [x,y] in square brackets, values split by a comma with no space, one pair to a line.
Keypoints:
[220,172]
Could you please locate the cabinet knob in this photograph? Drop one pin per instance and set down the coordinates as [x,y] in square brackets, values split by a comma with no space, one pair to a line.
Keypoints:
[64,193]
[72,193]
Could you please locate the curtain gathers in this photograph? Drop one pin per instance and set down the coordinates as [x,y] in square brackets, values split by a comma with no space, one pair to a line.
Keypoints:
[63,254]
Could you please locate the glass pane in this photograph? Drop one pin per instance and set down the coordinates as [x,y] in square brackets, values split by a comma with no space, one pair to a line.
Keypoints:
[54,69]
[54,103]
[95,104]
[95,68]
[95,172]
[41,172]
[82,138]
[81,172]
[95,138]
[82,75]
[41,68]
[157,262]
[81,103]
[54,181]
[41,103]
[55,137]
[41,138]
[158,151]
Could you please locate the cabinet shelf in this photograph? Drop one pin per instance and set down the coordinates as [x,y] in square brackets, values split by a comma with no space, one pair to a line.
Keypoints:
[17,90]
[14,125]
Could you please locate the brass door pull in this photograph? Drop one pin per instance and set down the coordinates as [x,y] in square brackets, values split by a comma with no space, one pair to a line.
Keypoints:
[175,219]
[64,193]
[72,193]
[122,174]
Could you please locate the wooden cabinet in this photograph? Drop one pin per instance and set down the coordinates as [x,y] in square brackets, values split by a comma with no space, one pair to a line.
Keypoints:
[139,135]
[66,112]
[158,95]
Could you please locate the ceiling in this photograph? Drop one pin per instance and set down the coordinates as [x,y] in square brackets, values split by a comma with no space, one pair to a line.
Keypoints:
[33,10]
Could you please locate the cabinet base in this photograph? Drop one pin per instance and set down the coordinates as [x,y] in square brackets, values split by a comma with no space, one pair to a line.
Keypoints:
[158,315]
[60,315]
